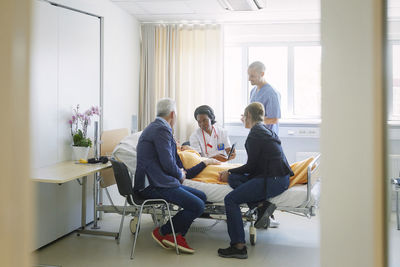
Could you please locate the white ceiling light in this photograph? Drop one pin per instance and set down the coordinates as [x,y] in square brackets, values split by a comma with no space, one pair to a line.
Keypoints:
[242,5]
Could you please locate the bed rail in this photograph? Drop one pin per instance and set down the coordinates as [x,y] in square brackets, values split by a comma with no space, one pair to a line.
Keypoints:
[305,209]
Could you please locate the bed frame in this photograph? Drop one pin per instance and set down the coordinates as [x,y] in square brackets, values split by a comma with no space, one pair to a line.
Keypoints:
[216,211]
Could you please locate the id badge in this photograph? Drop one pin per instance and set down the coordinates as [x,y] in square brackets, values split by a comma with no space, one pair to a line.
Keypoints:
[221,146]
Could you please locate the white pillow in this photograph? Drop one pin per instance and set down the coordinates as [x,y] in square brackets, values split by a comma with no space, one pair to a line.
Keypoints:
[131,140]
[125,151]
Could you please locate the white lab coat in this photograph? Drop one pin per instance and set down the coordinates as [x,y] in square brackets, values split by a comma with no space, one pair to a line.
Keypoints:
[214,144]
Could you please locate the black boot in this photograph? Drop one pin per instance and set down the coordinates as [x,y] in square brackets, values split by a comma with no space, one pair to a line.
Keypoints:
[263,213]
[233,252]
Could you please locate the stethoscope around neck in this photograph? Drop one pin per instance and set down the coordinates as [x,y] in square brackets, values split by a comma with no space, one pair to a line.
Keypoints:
[204,138]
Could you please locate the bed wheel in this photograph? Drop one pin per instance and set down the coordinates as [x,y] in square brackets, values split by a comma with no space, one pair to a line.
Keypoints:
[133,224]
[253,235]
[159,219]
[312,211]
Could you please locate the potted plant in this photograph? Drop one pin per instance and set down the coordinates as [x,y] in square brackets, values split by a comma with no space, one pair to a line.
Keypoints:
[79,123]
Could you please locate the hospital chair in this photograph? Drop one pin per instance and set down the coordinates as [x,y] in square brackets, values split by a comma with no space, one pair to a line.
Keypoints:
[109,140]
[124,184]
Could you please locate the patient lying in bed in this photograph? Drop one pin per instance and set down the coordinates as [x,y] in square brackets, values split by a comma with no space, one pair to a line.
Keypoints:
[207,180]
[210,174]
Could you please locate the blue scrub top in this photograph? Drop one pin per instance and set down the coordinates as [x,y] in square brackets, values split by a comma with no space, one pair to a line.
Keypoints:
[271,99]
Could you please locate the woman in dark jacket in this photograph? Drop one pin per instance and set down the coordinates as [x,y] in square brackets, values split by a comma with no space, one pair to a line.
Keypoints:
[265,175]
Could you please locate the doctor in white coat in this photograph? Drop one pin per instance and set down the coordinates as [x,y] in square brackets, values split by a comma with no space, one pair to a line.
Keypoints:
[210,140]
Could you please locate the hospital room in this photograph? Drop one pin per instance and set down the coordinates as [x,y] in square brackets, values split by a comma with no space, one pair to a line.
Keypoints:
[200,132]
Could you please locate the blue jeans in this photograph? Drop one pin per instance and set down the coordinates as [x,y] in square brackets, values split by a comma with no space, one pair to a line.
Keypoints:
[250,191]
[191,200]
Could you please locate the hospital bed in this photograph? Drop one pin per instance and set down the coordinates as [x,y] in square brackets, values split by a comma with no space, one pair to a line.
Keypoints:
[300,199]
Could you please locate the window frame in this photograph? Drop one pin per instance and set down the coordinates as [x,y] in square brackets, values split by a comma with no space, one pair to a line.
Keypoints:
[291,117]
[389,81]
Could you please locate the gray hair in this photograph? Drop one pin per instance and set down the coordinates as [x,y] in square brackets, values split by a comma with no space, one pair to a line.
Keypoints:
[165,106]
[258,66]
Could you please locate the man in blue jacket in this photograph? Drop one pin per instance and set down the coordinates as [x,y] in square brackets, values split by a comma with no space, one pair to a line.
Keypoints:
[159,174]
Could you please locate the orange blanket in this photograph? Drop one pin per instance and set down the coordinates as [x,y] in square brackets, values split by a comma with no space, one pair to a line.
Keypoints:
[210,173]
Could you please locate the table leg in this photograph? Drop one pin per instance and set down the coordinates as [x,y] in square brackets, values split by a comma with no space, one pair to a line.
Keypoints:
[83,219]
[83,211]
[95,200]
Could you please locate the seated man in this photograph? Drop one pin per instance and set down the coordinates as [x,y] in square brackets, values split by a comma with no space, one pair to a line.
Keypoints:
[160,173]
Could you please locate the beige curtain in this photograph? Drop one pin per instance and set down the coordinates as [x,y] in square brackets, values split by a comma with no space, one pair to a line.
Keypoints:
[183,62]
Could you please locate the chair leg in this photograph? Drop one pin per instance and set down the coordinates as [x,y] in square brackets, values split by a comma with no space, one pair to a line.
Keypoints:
[122,220]
[397,210]
[173,230]
[137,230]
[155,217]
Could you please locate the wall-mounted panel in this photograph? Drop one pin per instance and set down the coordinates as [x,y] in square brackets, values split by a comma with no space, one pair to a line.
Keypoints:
[44,83]
[78,70]
[65,71]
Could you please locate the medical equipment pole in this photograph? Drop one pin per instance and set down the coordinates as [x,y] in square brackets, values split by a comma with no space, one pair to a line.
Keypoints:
[96,176]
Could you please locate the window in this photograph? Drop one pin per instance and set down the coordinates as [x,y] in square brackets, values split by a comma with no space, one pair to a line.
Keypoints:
[394,94]
[292,69]
[307,81]
[275,71]
[234,94]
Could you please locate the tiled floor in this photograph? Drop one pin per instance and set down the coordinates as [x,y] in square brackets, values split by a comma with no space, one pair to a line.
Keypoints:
[294,243]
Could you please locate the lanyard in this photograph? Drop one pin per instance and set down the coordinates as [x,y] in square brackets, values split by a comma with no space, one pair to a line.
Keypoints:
[204,138]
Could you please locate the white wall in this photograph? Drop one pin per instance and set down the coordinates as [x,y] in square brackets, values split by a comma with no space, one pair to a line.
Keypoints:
[59,206]
[121,60]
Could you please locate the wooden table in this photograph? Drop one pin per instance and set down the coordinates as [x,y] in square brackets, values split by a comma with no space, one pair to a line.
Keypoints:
[66,171]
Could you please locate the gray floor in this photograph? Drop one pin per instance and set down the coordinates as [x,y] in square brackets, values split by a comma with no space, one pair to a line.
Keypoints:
[394,242]
[294,243]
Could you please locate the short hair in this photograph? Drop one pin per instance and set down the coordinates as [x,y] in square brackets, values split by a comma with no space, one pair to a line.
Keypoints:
[258,66]
[206,110]
[256,110]
[165,106]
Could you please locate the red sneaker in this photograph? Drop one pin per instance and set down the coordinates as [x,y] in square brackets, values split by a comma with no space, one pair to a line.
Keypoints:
[180,240]
[159,238]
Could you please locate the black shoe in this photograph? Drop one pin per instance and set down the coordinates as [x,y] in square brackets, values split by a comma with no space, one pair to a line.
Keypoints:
[205,215]
[233,252]
[263,214]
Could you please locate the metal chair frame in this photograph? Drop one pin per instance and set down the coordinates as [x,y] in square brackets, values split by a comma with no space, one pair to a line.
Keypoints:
[129,198]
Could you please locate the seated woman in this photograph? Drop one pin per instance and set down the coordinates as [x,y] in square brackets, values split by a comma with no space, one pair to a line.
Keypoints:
[210,140]
[265,175]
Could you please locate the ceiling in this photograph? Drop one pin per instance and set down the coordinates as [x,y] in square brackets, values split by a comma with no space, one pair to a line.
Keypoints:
[212,11]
